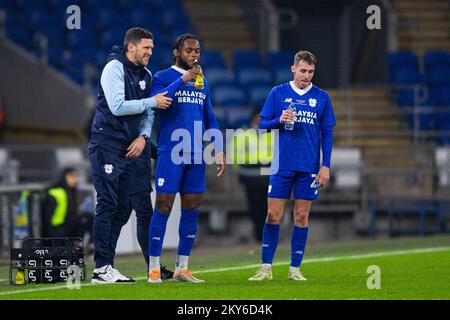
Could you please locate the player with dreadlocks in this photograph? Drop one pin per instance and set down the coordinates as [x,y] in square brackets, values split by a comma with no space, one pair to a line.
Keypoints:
[191,106]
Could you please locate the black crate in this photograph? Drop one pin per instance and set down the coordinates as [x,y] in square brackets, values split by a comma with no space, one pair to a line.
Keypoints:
[45,260]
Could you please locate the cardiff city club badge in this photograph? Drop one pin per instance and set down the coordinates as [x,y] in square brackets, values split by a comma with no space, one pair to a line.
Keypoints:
[312,102]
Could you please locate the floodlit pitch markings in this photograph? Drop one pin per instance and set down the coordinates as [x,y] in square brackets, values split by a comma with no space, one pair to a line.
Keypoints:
[252,266]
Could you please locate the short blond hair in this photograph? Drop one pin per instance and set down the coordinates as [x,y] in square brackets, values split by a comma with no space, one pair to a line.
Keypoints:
[306,56]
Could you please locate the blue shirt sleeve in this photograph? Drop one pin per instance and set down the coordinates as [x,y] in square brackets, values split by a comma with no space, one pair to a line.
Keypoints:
[267,124]
[326,128]
[113,85]
[328,118]
[327,145]
[269,119]
[209,119]
[159,85]
[208,115]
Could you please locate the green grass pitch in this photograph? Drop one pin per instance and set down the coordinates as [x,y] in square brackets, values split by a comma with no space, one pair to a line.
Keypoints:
[410,268]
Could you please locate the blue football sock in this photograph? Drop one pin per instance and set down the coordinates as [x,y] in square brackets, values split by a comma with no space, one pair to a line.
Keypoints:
[271,234]
[298,244]
[187,231]
[157,231]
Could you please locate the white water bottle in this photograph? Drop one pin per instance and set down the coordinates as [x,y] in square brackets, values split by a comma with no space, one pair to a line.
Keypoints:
[289,125]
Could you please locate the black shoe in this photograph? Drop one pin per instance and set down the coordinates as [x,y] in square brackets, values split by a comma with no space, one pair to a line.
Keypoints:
[165,273]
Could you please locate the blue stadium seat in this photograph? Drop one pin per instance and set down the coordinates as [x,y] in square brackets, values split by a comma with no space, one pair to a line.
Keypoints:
[221,116]
[437,66]
[82,37]
[434,96]
[76,74]
[99,5]
[27,5]
[21,35]
[443,128]
[8,5]
[54,35]
[248,77]
[86,54]
[170,37]
[444,98]
[39,17]
[107,19]
[426,120]
[67,62]
[228,95]
[402,58]
[175,19]
[111,37]
[101,59]
[436,59]
[151,7]
[212,59]
[139,17]
[408,76]
[246,59]
[280,59]
[282,76]
[404,68]
[239,117]
[55,56]
[173,3]
[258,95]
[216,77]
[146,19]
[161,59]
[61,5]
[439,77]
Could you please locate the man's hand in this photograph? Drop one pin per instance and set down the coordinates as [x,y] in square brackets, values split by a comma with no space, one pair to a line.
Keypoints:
[323,177]
[163,102]
[191,74]
[220,157]
[136,147]
[287,115]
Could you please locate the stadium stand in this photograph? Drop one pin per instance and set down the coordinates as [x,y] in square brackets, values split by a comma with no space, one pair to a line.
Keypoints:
[103,26]
[246,59]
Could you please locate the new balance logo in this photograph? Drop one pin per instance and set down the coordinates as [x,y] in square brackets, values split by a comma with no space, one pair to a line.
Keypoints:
[265,245]
[192,236]
[156,238]
[298,252]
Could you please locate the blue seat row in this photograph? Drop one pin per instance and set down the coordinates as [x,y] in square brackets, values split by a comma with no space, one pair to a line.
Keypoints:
[405,69]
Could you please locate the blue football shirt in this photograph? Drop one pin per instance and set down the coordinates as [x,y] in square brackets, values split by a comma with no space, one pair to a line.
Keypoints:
[299,149]
[190,105]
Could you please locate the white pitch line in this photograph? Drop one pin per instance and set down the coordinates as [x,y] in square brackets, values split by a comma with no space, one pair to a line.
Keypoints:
[251,266]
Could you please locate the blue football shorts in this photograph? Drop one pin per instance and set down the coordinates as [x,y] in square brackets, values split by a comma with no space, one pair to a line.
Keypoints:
[184,178]
[304,184]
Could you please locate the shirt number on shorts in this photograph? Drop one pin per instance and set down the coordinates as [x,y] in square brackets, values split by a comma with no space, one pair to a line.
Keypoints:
[315,183]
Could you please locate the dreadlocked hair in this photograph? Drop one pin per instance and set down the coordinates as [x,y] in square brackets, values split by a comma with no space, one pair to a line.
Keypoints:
[178,44]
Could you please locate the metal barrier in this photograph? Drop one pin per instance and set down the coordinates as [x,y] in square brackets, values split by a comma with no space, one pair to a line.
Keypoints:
[395,207]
